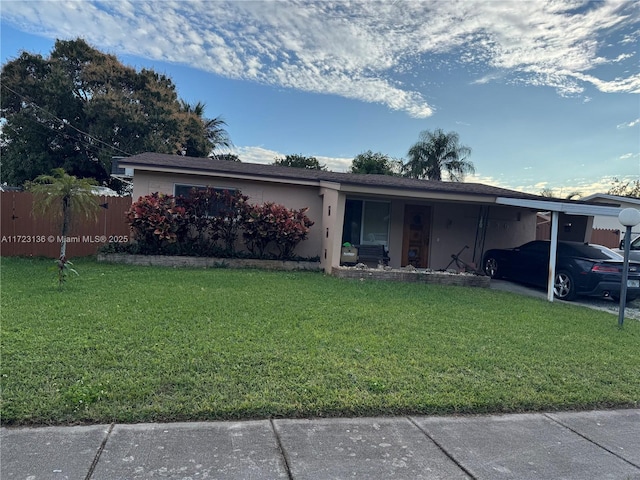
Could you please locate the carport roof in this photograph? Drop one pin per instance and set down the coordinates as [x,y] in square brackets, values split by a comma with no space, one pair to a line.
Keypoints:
[563,206]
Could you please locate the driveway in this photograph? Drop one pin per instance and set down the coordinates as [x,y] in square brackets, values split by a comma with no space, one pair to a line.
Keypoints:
[632,310]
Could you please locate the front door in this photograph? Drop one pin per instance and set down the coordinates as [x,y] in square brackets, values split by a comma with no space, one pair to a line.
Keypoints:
[415,237]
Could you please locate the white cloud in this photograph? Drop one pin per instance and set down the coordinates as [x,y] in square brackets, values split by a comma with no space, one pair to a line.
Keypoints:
[336,164]
[256,154]
[267,156]
[581,185]
[356,50]
[630,124]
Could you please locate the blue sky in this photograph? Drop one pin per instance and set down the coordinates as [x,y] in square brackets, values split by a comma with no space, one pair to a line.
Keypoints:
[546,94]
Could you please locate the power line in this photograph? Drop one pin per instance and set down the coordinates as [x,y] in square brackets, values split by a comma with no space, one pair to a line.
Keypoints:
[66,123]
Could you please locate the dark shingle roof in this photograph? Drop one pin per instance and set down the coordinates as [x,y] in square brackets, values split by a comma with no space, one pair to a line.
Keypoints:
[189,164]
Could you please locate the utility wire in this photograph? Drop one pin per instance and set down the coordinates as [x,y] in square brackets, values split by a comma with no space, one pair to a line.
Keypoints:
[68,124]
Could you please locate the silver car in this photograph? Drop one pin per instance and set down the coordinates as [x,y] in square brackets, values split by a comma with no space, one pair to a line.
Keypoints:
[634,249]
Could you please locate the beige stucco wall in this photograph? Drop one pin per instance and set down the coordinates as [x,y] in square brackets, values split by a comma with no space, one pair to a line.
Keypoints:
[509,227]
[457,225]
[291,196]
[574,228]
[453,226]
[332,220]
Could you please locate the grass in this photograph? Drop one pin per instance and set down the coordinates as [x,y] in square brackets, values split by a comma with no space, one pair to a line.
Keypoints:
[133,344]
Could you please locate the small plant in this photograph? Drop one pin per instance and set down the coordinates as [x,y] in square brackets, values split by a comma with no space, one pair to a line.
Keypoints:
[63,268]
[64,197]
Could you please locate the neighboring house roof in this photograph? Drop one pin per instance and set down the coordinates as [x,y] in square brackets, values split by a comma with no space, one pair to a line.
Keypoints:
[597,197]
[104,191]
[9,188]
[207,166]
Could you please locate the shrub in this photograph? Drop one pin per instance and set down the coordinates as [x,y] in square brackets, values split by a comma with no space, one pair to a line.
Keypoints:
[293,228]
[214,216]
[258,229]
[209,221]
[231,217]
[157,222]
[273,223]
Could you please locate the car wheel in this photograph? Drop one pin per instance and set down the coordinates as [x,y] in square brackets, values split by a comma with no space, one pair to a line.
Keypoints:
[491,267]
[563,287]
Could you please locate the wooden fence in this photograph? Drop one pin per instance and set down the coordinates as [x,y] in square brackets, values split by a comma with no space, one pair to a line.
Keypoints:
[24,234]
[608,238]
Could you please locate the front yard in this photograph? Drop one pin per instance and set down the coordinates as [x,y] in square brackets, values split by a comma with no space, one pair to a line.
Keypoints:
[132,344]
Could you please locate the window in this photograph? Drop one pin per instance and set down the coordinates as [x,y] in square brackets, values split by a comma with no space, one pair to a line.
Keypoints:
[185,190]
[366,222]
[214,204]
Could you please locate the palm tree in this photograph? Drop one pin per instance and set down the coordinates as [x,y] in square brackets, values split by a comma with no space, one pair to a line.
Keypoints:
[64,196]
[436,152]
[210,130]
[217,134]
[549,193]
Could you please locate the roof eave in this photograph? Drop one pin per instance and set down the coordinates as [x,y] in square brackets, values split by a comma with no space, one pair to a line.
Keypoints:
[217,174]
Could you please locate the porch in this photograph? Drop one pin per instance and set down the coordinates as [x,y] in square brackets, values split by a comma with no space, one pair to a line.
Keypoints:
[424,234]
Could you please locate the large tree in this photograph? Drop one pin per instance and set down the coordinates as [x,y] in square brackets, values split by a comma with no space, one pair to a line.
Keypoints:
[375,163]
[630,188]
[79,107]
[300,161]
[437,152]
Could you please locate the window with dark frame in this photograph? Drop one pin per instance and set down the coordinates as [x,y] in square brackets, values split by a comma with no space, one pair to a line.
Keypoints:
[366,222]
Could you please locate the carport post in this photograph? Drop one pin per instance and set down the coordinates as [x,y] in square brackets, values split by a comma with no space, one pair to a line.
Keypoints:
[629,217]
[552,255]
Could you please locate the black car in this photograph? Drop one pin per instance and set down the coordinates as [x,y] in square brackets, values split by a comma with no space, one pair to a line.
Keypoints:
[581,269]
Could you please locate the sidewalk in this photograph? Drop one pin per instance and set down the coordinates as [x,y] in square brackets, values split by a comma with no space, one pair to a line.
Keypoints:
[580,445]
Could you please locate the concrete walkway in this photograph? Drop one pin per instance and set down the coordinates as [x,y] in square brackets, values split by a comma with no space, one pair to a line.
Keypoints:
[583,445]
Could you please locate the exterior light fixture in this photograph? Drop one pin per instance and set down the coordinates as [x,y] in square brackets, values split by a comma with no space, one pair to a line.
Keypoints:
[629,217]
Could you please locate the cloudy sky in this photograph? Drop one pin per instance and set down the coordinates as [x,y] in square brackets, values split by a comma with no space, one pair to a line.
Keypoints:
[546,93]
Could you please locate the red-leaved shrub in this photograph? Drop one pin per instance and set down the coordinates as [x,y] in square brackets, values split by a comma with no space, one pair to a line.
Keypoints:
[197,224]
[156,221]
[274,223]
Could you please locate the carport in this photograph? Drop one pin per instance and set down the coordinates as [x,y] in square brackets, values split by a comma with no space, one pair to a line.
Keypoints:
[556,208]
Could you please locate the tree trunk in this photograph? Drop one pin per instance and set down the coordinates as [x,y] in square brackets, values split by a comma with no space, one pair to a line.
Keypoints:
[66,212]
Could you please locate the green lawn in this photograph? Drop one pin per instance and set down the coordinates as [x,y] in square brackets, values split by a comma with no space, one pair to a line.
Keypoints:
[131,344]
